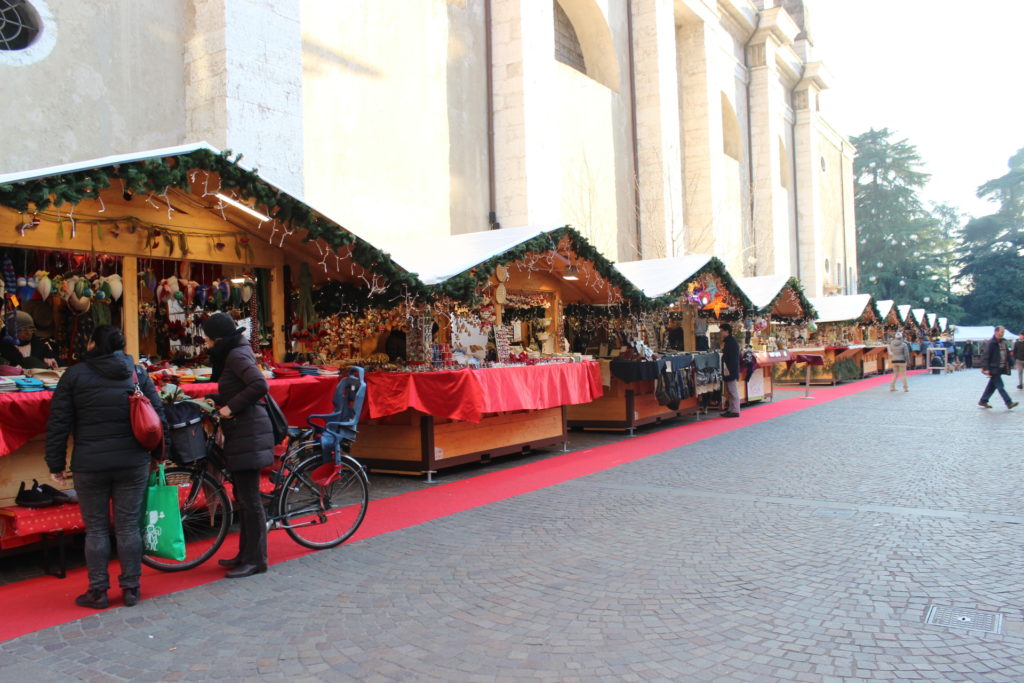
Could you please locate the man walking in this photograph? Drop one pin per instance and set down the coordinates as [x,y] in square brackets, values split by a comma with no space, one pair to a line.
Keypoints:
[899,354]
[731,370]
[995,360]
[1018,359]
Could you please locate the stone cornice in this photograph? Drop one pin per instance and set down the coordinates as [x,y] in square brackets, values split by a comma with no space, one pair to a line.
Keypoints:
[815,74]
[776,23]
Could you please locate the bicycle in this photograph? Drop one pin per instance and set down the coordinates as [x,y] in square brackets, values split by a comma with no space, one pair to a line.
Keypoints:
[320,494]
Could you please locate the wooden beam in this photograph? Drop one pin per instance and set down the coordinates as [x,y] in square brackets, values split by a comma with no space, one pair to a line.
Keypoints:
[130,305]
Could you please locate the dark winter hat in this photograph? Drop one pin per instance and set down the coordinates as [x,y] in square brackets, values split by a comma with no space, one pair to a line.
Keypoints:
[219,325]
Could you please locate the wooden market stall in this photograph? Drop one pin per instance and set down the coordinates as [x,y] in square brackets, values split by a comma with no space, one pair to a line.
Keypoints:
[846,328]
[491,374]
[891,323]
[778,321]
[662,365]
[155,242]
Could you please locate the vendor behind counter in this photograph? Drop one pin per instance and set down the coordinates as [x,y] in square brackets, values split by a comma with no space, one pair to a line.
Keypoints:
[21,346]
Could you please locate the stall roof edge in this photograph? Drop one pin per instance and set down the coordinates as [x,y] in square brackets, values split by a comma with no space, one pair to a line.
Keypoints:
[842,308]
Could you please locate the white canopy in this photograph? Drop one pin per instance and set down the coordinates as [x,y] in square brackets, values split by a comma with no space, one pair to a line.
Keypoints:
[933,319]
[904,311]
[655,277]
[920,316]
[836,309]
[943,324]
[979,333]
[885,307]
[437,259]
[763,289]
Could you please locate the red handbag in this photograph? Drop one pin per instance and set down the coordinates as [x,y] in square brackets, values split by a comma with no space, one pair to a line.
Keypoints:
[146,424]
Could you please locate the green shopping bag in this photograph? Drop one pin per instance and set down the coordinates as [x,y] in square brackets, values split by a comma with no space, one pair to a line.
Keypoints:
[162,534]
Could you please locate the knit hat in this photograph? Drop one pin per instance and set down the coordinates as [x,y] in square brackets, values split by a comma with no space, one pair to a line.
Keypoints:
[899,335]
[24,320]
[218,326]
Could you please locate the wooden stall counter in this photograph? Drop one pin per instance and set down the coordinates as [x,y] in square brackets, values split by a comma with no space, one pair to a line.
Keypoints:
[630,400]
[427,421]
[760,384]
[841,364]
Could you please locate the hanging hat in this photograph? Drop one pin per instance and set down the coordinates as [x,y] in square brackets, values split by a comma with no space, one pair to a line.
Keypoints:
[218,326]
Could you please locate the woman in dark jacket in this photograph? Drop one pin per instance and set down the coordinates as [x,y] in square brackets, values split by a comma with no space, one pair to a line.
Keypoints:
[248,436]
[109,465]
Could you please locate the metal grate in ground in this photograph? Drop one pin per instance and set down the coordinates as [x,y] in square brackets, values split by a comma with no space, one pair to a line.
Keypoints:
[958,617]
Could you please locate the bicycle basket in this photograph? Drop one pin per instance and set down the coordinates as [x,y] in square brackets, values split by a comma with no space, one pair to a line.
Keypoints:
[187,437]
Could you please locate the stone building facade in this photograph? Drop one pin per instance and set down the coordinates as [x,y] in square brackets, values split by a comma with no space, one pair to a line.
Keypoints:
[656,127]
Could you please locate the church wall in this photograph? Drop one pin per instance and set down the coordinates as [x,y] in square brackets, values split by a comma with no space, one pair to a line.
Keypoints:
[113,83]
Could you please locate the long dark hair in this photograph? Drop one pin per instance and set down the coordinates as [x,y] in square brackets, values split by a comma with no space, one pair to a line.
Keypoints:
[108,339]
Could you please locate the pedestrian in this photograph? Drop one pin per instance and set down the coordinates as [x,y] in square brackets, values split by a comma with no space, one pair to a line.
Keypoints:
[899,354]
[1018,359]
[110,467]
[995,362]
[248,436]
[969,353]
[22,347]
[730,370]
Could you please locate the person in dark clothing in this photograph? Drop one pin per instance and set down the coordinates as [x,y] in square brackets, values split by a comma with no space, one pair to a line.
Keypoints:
[248,436]
[730,370]
[23,348]
[1018,359]
[995,362]
[110,466]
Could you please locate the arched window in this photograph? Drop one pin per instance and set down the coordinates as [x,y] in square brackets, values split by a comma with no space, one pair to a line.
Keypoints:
[583,41]
[19,24]
[732,143]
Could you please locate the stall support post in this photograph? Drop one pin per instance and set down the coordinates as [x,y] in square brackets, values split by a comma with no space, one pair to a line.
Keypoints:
[277,297]
[807,383]
[130,304]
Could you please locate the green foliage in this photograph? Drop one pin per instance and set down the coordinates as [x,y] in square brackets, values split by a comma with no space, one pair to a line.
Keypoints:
[902,251]
[993,246]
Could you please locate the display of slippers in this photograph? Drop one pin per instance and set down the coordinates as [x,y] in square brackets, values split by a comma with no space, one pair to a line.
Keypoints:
[34,497]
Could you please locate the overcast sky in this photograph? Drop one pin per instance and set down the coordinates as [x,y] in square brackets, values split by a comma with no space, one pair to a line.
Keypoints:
[945,74]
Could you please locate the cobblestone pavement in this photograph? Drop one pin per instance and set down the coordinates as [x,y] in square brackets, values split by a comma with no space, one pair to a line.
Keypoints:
[808,547]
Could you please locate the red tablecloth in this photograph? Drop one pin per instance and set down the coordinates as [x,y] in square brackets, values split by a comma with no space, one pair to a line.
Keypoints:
[468,394]
[809,358]
[22,416]
[299,397]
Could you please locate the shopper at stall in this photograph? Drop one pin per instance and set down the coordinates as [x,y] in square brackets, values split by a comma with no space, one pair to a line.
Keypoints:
[248,436]
[1018,359]
[899,354]
[110,467]
[995,362]
[21,346]
[730,370]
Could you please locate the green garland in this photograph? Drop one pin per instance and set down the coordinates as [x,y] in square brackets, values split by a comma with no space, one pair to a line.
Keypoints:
[156,175]
[794,284]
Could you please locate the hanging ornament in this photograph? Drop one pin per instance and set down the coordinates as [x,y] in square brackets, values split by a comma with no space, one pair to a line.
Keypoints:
[44,285]
[716,305]
[116,286]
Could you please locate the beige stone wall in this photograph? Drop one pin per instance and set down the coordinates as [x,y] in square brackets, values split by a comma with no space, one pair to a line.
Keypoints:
[112,83]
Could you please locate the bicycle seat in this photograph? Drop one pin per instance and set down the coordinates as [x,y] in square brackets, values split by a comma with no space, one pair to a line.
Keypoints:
[343,423]
[299,433]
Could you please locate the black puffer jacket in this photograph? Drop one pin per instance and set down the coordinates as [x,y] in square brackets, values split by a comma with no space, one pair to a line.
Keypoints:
[248,434]
[91,404]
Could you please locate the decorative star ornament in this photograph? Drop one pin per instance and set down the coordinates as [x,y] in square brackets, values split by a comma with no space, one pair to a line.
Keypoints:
[716,305]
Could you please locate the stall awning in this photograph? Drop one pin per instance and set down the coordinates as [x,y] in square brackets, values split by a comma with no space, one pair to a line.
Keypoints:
[979,333]
[885,307]
[848,308]
[920,316]
[944,324]
[766,292]
[666,277]
[905,311]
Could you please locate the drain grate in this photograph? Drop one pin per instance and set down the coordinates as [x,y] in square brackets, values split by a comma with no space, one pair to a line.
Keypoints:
[958,617]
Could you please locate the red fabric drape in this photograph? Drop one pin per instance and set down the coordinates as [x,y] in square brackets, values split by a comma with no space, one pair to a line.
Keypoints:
[455,395]
[22,416]
[539,386]
[299,397]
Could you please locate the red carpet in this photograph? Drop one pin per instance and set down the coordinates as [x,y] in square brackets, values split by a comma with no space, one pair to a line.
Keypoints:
[39,603]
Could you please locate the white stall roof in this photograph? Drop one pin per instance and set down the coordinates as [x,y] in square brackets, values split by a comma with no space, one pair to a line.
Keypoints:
[885,307]
[943,324]
[437,259]
[920,316]
[836,309]
[655,277]
[904,311]
[763,289]
[933,319]
[979,333]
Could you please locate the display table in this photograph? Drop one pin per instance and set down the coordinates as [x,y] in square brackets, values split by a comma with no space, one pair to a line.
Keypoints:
[839,364]
[630,400]
[426,421]
[299,397]
[760,385]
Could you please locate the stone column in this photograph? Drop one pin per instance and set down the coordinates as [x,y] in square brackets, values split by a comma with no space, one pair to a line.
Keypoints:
[659,173]
[527,180]
[243,71]
[808,179]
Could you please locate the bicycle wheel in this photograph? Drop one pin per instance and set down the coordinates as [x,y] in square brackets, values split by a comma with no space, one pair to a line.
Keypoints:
[205,518]
[322,505]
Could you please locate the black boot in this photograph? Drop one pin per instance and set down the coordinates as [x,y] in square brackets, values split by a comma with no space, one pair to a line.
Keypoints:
[94,598]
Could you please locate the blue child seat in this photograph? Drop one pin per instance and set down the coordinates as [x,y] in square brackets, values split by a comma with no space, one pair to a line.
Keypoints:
[343,423]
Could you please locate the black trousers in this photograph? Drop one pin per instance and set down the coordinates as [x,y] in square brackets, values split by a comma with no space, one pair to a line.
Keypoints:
[126,488]
[252,517]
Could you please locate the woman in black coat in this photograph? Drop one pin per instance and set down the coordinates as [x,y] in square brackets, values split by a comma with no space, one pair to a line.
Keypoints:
[248,436]
[109,464]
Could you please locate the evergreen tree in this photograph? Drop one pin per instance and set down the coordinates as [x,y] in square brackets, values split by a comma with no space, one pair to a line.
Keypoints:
[992,264]
[901,250]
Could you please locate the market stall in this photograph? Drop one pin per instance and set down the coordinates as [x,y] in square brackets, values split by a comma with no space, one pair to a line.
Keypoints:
[847,327]
[777,322]
[487,369]
[658,363]
[153,242]
[891,323]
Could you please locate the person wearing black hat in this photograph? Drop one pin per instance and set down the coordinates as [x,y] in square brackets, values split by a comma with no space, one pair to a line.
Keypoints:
[248,436]
[730,370]
[21,346]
